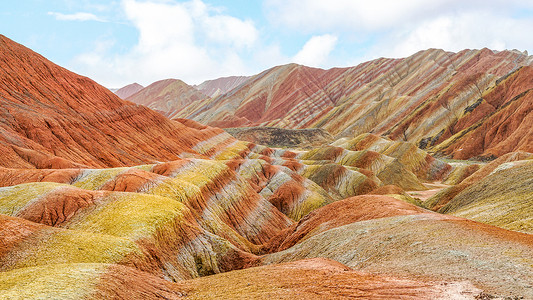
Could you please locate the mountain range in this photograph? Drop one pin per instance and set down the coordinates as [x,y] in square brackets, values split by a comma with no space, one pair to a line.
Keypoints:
[462,105]
[104,198]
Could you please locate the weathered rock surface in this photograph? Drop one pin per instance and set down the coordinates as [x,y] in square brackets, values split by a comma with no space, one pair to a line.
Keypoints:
[478,98]
[279,137]
[318,279]
[499,123]
[504,198]
[347,211]
[53,118]
[429,246]
[442,198]
[101,198]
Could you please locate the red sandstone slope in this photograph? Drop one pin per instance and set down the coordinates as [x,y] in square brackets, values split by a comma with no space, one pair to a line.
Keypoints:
[51,117]
[265,97]
[318,279]
[167,96]
[501,121]
[128,90]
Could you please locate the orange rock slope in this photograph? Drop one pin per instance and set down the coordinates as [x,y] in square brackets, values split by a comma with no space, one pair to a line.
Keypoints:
[53,118]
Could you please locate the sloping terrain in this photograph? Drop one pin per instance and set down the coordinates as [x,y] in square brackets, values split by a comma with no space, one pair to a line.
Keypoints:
[426,99]
[504,198]
[299,280]
[211,229]
[101,198]
[429,246]
[347,211]
[499,123]
[53,118]
[130,89]
[464,176]
[317,279]
[416,160]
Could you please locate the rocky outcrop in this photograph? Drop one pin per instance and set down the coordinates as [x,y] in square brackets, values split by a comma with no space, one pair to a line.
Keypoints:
[279,137]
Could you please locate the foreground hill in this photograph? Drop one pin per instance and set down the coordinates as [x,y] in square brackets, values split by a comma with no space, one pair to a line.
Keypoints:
[51,117]
[461,104]
[504,197]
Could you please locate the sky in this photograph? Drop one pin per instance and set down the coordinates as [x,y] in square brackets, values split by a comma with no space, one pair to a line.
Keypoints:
[119,42]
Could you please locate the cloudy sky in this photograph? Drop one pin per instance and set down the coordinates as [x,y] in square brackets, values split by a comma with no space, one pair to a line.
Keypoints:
[124,41]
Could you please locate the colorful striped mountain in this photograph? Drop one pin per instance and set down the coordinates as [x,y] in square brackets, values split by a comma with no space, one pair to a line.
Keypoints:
[467,104]
[101,198]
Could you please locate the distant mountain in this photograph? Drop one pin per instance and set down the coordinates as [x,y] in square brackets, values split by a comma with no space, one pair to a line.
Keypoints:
[427,98]
[220,86]
[167,96]
[128,90]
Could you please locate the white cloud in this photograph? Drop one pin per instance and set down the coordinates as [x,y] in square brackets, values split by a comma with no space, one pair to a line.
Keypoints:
[80,16]
[186,40]
[394,28]
[363,15]
[316,51]
[225,29]
[194,41]
[456,32]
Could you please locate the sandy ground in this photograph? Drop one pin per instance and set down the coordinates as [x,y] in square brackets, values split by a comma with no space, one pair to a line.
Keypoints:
[434,188]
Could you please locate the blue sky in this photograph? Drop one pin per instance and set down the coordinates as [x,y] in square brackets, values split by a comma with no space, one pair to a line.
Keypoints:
[124,41]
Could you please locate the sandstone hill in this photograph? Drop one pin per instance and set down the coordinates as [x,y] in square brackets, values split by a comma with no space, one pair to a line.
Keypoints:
[167,96]
[215,87]
[128,90]
[102,198]
[474,103]
[53,118]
